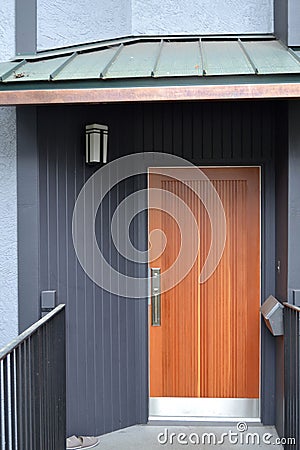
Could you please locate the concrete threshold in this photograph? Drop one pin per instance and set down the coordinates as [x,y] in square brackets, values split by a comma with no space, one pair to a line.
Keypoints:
[204,436]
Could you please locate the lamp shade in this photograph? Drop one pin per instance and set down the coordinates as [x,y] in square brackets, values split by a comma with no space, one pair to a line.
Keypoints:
[96,136]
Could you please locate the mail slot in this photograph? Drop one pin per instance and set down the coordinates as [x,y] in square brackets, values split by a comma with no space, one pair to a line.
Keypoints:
[272,312]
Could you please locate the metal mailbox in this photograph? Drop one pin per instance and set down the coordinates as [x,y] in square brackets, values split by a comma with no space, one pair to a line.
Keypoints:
[48,302]
[272,312]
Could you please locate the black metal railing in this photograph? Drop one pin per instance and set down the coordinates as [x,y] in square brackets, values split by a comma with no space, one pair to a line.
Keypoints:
[33,387]
[291,375]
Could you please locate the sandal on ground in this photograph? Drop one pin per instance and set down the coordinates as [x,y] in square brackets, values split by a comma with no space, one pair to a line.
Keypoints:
[81,442]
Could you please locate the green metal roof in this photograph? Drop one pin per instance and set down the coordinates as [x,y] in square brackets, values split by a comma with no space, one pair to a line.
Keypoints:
[155,57]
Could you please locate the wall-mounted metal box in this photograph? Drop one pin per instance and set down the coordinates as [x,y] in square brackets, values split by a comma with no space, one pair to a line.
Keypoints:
[48,302]
[296,297]
[272,312]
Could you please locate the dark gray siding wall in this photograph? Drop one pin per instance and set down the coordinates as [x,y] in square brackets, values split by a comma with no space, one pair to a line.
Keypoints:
[281,247]
[294,204]
[107,335]
[286,21]
[281,19]
[28,217]
[106,347]
[287,227]
[26,26]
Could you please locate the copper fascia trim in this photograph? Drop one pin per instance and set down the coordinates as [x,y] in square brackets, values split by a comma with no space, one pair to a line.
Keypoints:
[147,94]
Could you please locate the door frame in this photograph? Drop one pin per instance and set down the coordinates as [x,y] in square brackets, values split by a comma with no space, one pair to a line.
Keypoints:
[213,406]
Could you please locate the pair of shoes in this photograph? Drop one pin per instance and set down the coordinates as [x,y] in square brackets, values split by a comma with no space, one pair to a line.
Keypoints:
[81,442]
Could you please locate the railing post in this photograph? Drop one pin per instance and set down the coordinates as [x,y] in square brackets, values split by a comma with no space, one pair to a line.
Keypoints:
[291,374]
[33,387]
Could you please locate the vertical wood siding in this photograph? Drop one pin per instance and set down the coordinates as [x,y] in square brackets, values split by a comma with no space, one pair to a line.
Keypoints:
[107,337]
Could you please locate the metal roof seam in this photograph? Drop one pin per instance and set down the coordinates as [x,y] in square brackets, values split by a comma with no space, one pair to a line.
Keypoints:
[248,57]
[157,58]
[111,61]
[62,66]
[9,72]
[203,59]
[290,51]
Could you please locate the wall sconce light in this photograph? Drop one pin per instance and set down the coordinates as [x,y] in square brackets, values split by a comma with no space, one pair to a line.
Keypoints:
[96,137]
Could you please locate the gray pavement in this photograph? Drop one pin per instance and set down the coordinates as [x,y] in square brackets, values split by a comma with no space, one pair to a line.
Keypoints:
[150,437]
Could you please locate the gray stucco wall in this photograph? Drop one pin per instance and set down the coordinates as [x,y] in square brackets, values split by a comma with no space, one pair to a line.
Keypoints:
[8,192]
[202,16]
[71,22]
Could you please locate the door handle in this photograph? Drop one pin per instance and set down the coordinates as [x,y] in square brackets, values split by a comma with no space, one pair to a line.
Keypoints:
[155,297]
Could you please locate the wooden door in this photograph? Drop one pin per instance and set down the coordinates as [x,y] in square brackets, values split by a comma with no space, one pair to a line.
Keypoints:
[208,343]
